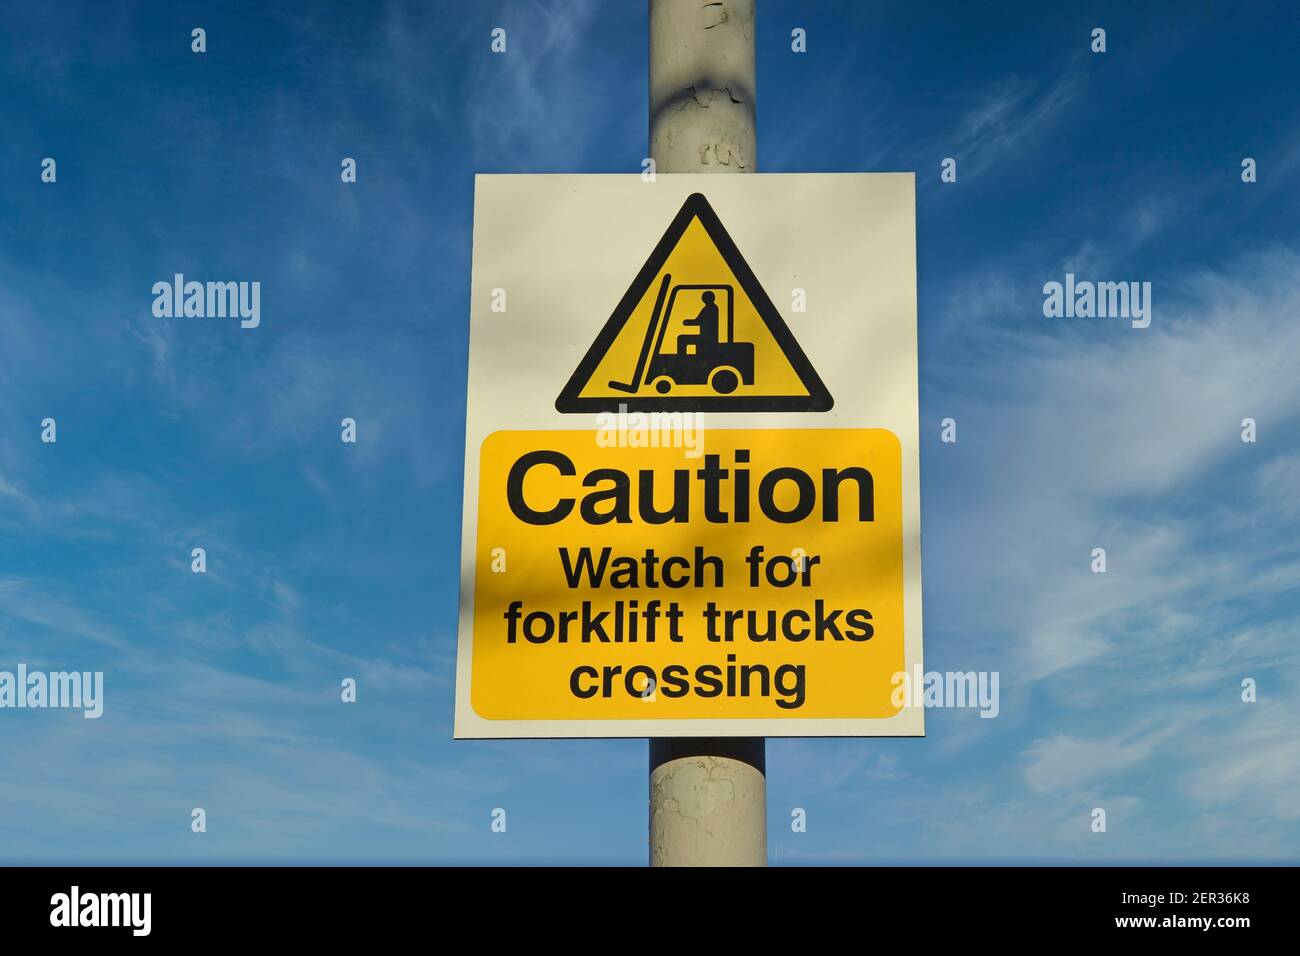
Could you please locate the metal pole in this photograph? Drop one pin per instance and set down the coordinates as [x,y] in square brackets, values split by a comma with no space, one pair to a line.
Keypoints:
[702,86]
[708,795]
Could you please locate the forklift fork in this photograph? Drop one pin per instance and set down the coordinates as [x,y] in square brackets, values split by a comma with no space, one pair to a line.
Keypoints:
[647,344]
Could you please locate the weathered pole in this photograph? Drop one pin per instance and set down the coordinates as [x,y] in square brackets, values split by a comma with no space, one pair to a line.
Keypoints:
[708,796]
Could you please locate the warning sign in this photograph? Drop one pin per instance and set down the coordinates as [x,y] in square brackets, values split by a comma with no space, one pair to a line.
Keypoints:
[697,515]
[695,332]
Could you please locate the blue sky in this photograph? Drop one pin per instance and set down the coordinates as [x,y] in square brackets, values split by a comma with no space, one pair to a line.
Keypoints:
[326,560]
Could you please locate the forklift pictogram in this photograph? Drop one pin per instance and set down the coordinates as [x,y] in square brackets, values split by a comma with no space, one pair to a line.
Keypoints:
[703,358]
[685,356]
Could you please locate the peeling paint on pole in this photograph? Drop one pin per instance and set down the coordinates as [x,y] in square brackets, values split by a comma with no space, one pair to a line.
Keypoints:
[707,811]
[702,86]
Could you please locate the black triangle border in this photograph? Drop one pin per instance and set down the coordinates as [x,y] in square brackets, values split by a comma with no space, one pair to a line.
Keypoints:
[818,398]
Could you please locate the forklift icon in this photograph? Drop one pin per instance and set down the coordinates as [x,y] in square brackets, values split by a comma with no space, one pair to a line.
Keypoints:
[683,355]
[705,357]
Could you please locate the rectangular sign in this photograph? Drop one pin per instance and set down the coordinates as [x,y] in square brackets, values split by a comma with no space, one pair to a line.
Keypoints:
[691,472]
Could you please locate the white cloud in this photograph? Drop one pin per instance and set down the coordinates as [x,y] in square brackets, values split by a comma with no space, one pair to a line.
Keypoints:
[1277,485]
[1123,688]
[29,603]
[1251,761]
[530,101]
[1066,763]
[1005,116]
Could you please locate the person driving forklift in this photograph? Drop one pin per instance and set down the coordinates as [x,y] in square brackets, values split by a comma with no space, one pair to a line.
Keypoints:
[707,324]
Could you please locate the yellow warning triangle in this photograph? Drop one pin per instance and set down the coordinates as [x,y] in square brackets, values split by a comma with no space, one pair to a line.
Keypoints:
[695,332]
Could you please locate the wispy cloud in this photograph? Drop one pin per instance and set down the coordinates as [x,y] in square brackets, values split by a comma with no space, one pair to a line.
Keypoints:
[1127,682]
[532,100]
[1004,116]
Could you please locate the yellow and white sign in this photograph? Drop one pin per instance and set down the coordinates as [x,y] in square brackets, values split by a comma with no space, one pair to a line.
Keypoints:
[692,466]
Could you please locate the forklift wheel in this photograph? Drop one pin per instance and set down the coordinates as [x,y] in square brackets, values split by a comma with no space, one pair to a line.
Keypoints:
[724,381]
[663,386]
